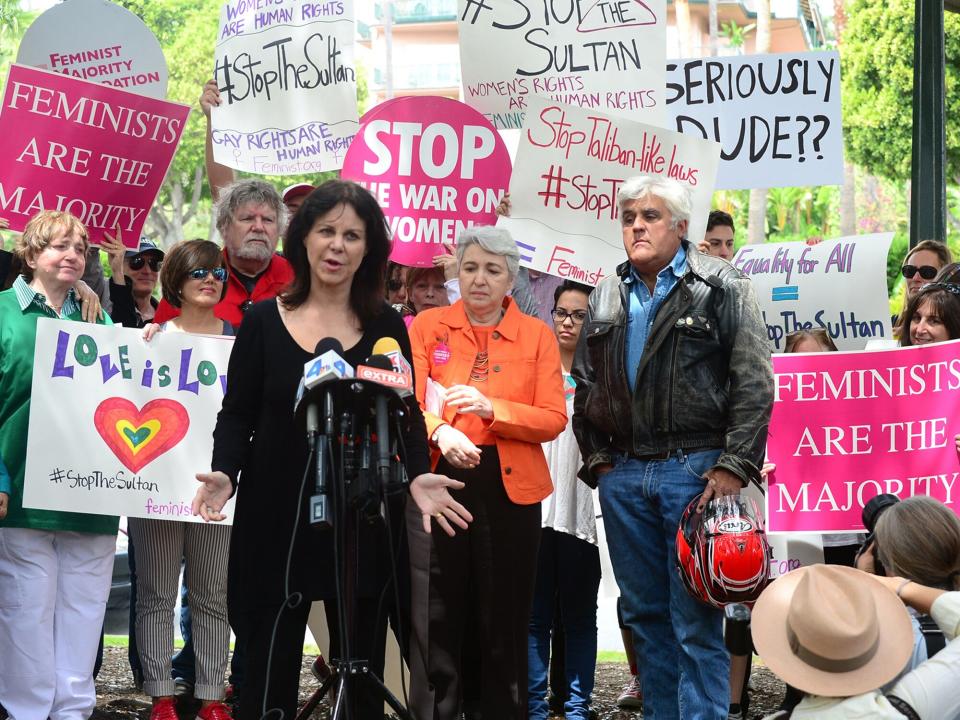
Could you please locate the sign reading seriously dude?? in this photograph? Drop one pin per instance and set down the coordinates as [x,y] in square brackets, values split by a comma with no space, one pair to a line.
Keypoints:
[435,166]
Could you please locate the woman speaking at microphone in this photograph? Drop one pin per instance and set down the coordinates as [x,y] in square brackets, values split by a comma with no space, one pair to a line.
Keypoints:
[338,246]
[502,395]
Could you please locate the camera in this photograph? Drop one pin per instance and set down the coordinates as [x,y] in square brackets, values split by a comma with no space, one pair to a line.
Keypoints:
[871,513]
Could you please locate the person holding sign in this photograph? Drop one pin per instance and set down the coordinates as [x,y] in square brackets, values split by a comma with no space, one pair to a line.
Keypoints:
[932,316]
[674,395]
[55,567]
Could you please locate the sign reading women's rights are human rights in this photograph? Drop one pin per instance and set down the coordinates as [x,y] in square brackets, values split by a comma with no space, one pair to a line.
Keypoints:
[288,88]
[847,426]
[138,425]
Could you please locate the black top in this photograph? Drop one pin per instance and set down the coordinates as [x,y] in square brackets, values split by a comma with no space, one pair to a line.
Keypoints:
[259,446]
[125,310]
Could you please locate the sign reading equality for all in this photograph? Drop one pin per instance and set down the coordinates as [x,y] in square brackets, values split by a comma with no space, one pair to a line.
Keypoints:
[849,426]
[288,87]
[839,285]
[85,148]
[435,166]
[608,56]
[570,165]
[138,425]
[776,117]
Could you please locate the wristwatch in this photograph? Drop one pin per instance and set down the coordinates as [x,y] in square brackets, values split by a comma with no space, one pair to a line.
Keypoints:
[436,434]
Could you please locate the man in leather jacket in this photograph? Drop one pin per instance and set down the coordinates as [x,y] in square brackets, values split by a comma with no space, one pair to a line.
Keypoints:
[674,393]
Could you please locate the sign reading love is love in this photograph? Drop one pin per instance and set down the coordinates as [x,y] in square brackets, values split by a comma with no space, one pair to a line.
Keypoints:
[138,425]
[435,166]
[848,426]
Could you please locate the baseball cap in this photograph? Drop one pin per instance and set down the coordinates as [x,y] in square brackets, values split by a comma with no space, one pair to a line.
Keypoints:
[294,191]
[145,247]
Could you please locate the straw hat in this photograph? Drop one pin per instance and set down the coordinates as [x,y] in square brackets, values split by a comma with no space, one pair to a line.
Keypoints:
[832,631]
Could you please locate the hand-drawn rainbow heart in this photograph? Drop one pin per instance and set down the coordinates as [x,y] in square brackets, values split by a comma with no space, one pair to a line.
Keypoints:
[138,437]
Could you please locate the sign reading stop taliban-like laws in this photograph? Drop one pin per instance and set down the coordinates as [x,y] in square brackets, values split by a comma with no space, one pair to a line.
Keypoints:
[85,148]
[608,56]
[288,87]
[570,164]
[848,426]
[776,117]
[138,425]
[839,285]
[435,166]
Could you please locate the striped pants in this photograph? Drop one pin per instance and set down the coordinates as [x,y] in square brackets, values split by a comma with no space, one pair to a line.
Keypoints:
[161,544]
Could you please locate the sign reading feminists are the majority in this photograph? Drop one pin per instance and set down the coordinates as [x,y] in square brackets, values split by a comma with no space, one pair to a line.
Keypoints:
[288,89]
[604,55]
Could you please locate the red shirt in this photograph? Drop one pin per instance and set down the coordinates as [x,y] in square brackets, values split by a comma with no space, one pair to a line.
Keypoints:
[271,283]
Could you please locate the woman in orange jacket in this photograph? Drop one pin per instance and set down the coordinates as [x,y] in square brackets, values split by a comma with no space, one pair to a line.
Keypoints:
[488,379]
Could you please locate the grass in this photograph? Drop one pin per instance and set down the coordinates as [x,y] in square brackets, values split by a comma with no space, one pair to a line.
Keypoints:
[611,656]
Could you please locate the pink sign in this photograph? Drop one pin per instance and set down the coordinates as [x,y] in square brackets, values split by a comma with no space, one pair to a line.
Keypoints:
[86,148]
[848,426]
[435,166]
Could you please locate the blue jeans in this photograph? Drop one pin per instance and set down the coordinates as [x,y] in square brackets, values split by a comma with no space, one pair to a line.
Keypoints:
[568,568]
[679,640]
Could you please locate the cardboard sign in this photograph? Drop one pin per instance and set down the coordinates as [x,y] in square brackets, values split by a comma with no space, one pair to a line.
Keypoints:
[138,425]
[570,164]
[435,166]
[288,86]
[840,285]
[86,148]
[100,41]
[849,426]
[607,56]
[776,117]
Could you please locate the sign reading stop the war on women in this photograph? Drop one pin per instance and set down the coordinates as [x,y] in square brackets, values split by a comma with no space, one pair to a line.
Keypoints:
[435,166]
[839,285]
[776,117]
[85,148]
[138,425]
[608,55]
[288,86]
[848,426]
[97,40]
[570,164]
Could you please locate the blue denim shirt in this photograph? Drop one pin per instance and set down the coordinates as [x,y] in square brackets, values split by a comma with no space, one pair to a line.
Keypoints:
[643,309]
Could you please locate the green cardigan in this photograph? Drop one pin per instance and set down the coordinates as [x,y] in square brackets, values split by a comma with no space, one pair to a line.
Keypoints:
[18,334]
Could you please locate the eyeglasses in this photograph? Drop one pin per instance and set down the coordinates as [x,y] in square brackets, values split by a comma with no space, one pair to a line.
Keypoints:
[219,274]
[577,316]
[138,261]
[393,284]
[927,272]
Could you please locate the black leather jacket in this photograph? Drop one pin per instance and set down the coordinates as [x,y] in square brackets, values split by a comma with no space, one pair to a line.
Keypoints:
[705,379]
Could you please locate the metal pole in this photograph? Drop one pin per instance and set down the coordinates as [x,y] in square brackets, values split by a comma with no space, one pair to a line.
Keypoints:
[388,38]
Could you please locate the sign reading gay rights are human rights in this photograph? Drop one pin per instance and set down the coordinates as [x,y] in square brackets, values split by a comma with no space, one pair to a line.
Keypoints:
[138,425]
[847,426]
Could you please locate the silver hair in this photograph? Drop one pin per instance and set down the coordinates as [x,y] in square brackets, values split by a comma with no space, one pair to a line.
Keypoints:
[494,240]
[237,194]
[675,195]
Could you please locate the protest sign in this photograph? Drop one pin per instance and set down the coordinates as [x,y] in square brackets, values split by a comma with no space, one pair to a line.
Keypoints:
[435,166]
[570,164]
[792,551]
[839,285]
[848,426]
[608,56]
[776,117]
[288,86]
[100,41]
[85,148]
[138,425]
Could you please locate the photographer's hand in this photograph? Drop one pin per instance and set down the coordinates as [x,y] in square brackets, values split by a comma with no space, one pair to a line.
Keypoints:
[865,560]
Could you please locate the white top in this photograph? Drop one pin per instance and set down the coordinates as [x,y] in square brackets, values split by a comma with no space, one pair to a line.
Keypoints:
[570,508]
[932,689]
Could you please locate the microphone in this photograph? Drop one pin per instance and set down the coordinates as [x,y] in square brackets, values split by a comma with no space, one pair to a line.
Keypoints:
[391,348]
[382,364]
[391,369]
[327,365]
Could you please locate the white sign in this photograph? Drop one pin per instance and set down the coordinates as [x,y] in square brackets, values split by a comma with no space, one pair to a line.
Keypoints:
[607,56]
[840,285]
[132,423]
[288,86]
[570,164]
[776,117]
[99,41]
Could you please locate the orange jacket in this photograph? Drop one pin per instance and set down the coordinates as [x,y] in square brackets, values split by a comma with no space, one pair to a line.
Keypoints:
[525,386]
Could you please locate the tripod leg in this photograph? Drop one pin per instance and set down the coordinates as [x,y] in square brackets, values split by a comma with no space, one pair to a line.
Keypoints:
[311,704]
[341,708]
[388,697]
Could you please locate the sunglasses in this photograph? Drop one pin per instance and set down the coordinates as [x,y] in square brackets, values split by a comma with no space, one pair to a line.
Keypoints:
[393,284]
[927,272]
[219,274]
[138,261]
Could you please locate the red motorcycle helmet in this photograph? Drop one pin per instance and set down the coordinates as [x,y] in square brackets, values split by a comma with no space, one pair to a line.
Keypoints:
[722,553]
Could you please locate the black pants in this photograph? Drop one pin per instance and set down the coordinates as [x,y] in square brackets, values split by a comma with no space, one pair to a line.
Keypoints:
[490,567]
